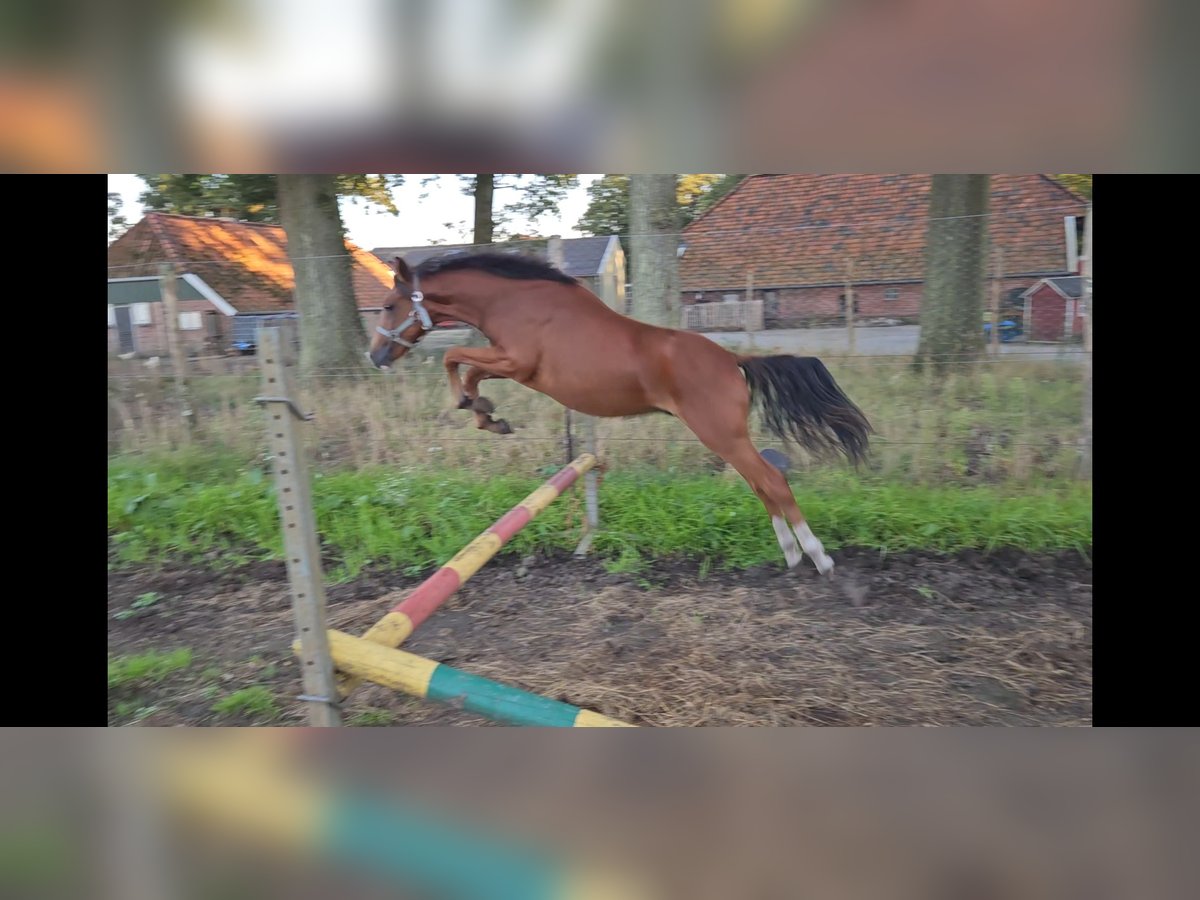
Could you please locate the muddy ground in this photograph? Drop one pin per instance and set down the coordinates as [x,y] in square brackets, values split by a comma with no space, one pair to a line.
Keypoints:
[1001,638]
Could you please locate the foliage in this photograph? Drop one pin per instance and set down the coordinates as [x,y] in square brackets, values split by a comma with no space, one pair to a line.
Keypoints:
[608,209]
[535,196]
[1080,184]
[251,197]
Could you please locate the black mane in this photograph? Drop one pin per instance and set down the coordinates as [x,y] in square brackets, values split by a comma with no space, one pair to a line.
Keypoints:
[506,265]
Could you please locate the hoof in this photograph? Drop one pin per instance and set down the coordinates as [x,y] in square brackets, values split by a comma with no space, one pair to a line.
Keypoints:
[483,405]
[502,427]
[464,402]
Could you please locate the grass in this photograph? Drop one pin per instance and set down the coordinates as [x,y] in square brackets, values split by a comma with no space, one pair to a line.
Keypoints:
[977,460]
[146,668]
[145,601]
[415,519]
[373,718]
[1010,420]
[256,701]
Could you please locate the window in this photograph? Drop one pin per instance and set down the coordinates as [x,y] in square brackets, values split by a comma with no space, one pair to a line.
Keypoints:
[891,294]
[112,316]
[141,314]
[730,298]
[189,321]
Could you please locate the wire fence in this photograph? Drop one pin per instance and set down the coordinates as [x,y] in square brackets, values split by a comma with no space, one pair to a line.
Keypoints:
[848,288]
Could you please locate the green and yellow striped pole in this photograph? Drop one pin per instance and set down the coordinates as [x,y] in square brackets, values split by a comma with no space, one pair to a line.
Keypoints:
[421,677]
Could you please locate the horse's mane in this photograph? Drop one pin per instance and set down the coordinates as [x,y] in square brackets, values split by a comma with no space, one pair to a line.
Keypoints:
[505,265]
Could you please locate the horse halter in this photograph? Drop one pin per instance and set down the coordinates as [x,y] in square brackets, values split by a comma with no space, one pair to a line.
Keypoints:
[419,313]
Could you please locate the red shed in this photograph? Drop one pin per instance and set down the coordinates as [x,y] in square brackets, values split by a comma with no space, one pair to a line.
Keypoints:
[1054,310]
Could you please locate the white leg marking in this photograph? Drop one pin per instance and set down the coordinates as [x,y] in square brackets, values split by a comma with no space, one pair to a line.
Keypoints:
[813,548]
[787,542]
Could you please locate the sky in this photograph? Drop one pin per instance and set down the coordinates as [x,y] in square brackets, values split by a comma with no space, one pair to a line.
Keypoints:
[444,215]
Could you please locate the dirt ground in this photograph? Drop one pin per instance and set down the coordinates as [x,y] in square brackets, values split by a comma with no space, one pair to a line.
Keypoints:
[967,639]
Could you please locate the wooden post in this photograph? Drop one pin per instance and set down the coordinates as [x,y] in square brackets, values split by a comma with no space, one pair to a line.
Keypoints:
[590,479]
[300,541]
[851,338]
[166,281]
[997,279]
[1085,460]
[557,258]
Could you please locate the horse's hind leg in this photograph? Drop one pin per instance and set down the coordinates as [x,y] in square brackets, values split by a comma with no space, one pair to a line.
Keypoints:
[722,427]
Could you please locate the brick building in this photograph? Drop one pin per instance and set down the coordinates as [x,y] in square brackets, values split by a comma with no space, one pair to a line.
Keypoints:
[792,241]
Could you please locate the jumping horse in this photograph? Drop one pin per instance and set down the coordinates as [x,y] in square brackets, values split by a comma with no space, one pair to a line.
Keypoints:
[553,335]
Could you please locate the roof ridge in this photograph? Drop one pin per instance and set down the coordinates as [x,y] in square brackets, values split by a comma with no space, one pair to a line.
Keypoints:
[227,220]
[737,187]
[1078,198]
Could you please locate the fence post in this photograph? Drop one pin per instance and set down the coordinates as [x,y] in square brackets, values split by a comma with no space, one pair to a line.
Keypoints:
[1085,460]
[997,281]
[166,281]
[591,487]
[558,259]
[851,340]
[300,541]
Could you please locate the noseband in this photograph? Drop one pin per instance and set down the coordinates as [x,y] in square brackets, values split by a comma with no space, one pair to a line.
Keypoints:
[419,313]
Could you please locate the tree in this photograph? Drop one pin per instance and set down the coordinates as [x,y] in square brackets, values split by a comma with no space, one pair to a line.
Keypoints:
[1080,184]
[956,250]
[483,189]
[331,332]
[608,207]
[712,194]
[654,243]
[116,219]
[536,195]
[608,210]
[689,191]
[252,198]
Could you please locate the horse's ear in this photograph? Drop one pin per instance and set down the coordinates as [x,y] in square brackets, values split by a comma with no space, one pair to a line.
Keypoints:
[402,271]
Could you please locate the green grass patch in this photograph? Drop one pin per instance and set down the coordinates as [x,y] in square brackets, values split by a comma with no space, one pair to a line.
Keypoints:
[146,668]
[416,518]
[254,701]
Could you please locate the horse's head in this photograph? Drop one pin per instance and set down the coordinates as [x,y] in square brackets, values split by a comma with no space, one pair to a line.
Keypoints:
[403,320]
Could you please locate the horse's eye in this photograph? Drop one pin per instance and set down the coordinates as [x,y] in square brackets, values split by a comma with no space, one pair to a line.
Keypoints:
[388,308]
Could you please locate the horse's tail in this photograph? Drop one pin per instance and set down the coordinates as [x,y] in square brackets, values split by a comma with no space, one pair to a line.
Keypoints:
[800,401]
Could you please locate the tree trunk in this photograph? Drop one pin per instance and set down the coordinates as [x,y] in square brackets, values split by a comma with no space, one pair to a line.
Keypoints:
[331,330]
[955,272]
[654,242]
[485,185]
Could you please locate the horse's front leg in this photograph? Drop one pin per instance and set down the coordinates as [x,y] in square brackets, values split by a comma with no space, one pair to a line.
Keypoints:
[489,362]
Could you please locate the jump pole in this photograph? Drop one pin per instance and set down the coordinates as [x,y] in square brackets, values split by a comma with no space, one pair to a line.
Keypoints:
[407,615]
[430,680]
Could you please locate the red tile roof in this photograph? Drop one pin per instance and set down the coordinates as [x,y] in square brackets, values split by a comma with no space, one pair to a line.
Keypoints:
[792,230]
[244,262]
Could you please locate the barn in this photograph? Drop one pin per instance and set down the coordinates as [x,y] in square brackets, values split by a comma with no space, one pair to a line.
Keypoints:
[1054,310]
[793,241]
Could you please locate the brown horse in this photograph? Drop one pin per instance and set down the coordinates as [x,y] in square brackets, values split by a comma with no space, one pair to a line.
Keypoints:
[551,334]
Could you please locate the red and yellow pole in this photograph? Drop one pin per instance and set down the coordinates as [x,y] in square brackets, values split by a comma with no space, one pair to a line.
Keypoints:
[407,615]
